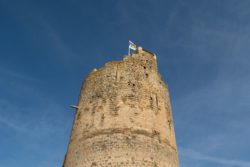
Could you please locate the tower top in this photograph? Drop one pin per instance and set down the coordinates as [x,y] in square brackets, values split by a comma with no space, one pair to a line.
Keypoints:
[123,117]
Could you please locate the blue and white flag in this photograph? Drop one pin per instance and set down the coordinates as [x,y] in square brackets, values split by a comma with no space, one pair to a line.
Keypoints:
[132,46]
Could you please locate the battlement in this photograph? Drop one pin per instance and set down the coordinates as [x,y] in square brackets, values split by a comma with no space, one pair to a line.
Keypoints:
[142,57]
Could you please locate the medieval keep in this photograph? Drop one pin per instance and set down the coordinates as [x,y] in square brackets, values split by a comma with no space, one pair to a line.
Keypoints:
[123,117]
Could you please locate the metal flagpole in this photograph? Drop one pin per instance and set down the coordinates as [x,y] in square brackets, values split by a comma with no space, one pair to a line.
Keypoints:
[129,49]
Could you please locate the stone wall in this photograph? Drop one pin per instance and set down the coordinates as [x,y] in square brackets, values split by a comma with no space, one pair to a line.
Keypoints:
[124,117]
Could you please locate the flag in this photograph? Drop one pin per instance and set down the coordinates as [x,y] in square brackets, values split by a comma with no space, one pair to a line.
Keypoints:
[132,45]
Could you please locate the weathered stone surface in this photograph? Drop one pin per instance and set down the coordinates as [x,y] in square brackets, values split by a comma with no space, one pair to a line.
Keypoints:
[124,118]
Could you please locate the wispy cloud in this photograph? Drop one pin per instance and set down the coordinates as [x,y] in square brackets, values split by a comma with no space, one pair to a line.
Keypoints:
[40,117]
[36,112]
[43,33]
[55,39]
[194,155]
[213,121]
[9,123]
[35,127]
[8,73]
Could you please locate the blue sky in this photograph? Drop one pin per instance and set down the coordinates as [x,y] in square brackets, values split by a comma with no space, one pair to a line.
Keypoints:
[48,47]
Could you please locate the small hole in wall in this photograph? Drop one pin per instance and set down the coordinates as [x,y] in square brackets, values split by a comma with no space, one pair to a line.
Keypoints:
[93,164]
[146,75]
[78,116]
[144,67]
[103,117]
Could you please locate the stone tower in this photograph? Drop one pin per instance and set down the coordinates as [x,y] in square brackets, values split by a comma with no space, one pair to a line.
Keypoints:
[123,117]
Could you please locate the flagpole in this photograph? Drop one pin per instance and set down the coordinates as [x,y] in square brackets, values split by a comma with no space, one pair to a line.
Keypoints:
[128,50]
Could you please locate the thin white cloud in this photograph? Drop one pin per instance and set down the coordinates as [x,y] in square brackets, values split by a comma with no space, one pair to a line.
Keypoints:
[32,119]
[194,155]
[41,30]
[16,75]
[9,123]
[55,39]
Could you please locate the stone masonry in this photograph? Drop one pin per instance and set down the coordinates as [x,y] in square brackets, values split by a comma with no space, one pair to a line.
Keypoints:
[124,117]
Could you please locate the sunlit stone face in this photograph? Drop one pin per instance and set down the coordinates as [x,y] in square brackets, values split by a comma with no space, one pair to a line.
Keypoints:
[124,117]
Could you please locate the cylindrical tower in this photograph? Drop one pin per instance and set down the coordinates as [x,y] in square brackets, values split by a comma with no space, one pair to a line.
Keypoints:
[124,117]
